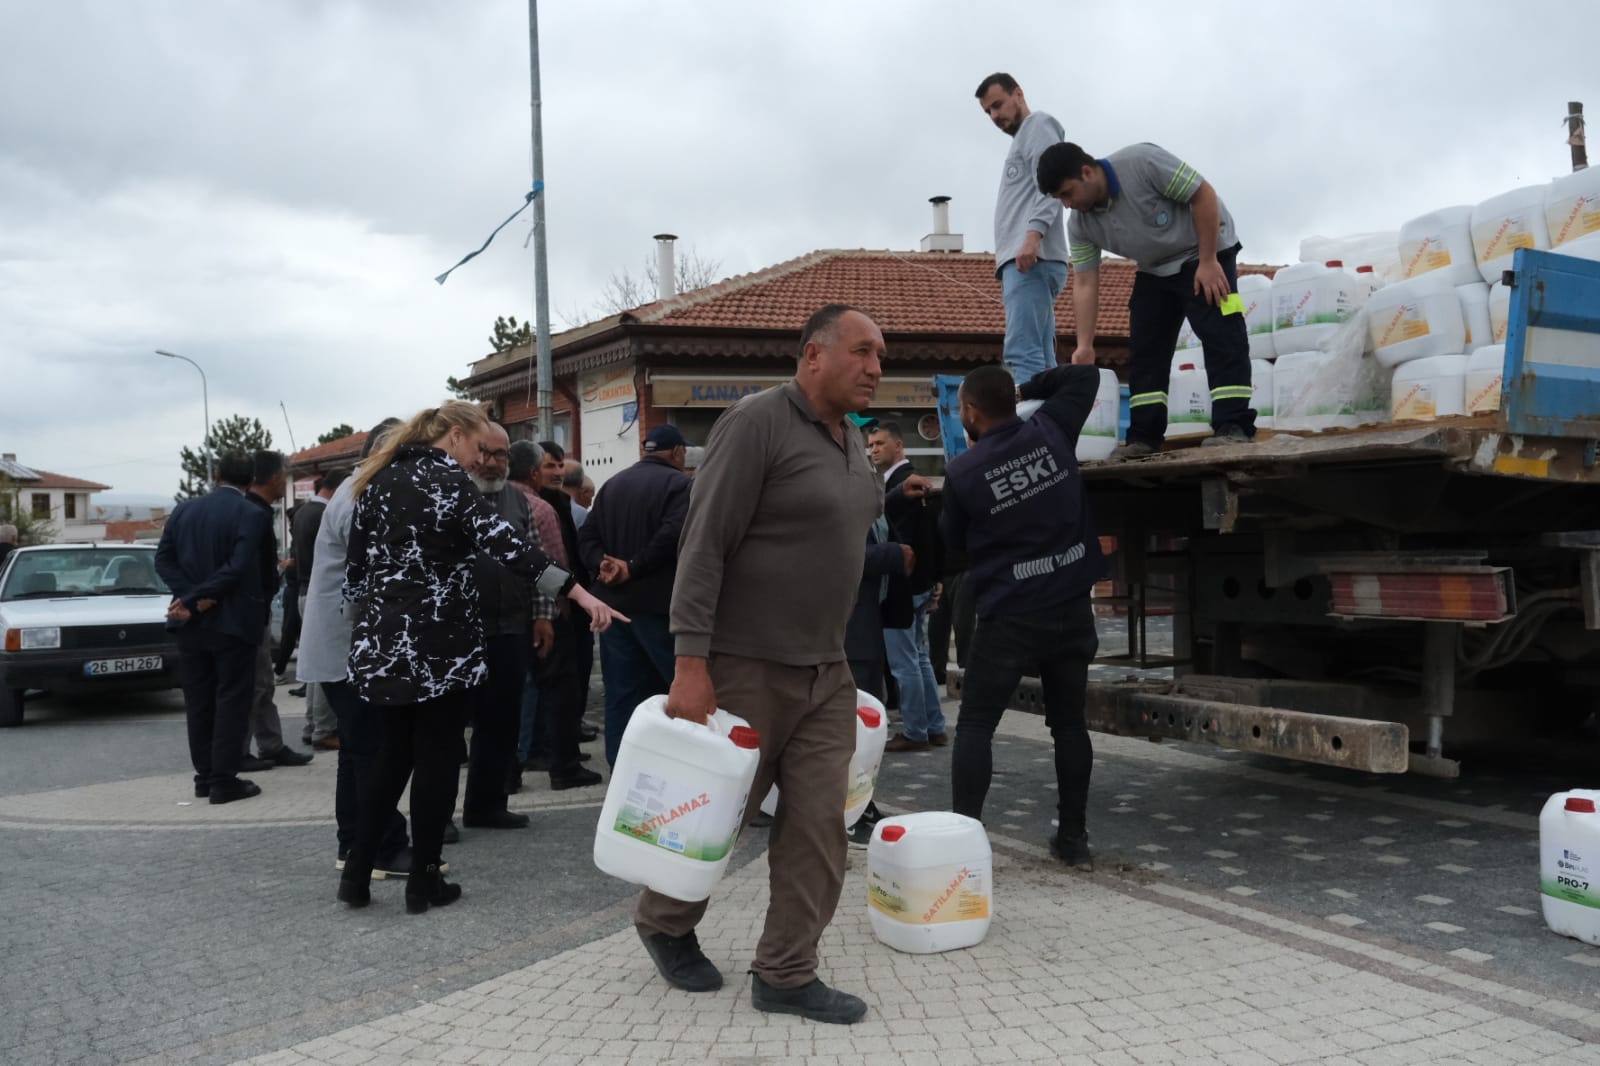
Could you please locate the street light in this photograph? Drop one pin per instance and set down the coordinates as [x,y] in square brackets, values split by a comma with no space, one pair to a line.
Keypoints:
[205,400]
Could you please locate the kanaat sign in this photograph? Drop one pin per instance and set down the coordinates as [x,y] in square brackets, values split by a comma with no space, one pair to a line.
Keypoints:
[723,392]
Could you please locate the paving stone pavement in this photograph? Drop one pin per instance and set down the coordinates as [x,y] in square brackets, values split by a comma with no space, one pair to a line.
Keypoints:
[150,929]
[1075,970]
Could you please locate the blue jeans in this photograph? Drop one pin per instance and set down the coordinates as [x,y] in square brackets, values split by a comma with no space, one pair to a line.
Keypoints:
[530,736]
[636,662]
[1030,299]
[907,649]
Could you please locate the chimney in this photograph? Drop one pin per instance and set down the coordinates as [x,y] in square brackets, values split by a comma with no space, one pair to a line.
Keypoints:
[666,267]
[9,456]
[941,239]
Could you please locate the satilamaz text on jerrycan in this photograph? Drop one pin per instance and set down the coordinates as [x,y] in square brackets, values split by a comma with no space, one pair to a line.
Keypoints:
[872,733]
[930,882]
[676,800]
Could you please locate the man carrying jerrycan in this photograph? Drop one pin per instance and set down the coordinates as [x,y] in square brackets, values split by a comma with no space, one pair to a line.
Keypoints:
[768,569]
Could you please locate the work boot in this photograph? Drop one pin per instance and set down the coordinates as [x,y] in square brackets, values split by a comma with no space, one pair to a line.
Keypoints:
[680,961]
[1133,449]
[1231,433]
[355,880]
[815,1001]
[426,887]
[1074,851]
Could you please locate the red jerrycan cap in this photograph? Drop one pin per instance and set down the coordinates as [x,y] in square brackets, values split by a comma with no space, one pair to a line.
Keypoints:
[744,737]
[870,717]
[1581,804]
[891,833]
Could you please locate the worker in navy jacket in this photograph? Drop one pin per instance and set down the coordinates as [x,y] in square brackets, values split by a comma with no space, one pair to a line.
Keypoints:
[1015,504]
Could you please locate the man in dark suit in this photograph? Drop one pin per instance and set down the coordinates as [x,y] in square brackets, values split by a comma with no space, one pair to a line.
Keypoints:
[267,486]
[911,522]
[210,556]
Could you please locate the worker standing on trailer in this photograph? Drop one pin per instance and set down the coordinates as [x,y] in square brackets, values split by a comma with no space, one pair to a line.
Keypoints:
[1145,203]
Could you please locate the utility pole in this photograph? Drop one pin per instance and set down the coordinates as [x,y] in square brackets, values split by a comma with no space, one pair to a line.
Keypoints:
[1580,155]
[287,426]
[541,283]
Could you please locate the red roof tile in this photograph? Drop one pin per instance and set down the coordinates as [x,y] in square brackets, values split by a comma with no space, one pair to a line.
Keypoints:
[47,480]
[343,448]
[905,292]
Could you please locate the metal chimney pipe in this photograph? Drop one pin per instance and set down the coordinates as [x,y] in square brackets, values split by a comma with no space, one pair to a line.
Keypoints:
[666,267]
[941,214]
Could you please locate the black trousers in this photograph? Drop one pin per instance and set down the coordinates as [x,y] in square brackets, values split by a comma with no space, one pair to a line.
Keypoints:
[291,630]
[957,615]
[582,658]
[360,736]
[496,719]
[420,743]
[218,675]
[1156,312]
[560,713]
[1058,645]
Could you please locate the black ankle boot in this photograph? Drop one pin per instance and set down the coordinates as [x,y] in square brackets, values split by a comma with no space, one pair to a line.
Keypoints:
[355,880]
[426,887]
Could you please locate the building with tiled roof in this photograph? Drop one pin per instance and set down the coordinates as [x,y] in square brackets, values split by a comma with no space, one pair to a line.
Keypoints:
[57,499]
[683,359]
[341,454]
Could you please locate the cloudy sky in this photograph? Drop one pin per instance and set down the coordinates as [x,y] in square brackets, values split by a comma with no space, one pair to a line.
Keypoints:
[270,188]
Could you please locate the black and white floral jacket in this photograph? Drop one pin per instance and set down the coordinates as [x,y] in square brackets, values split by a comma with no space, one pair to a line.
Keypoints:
[416,527]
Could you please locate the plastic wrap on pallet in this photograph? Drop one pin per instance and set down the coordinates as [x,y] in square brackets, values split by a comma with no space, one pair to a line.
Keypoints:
[1339,386]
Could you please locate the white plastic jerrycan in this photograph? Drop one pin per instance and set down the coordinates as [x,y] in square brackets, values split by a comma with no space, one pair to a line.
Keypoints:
[676,800]
[872,733]
[1569,864]
[930,882]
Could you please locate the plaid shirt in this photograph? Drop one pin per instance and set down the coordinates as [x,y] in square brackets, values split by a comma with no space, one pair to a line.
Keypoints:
[546,529]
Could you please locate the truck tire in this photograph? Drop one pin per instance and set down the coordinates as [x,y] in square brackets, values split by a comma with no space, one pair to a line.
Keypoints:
[10,707]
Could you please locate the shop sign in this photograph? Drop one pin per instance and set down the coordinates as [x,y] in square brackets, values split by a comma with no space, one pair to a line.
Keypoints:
[607,388]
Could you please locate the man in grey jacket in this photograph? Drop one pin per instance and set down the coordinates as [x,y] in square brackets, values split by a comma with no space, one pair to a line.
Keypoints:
[516,620]
[1030,246]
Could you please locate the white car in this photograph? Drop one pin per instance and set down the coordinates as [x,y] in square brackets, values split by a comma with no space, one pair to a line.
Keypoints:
[82,618]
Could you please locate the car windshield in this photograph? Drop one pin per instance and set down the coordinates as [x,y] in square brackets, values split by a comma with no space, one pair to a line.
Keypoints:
[87,571]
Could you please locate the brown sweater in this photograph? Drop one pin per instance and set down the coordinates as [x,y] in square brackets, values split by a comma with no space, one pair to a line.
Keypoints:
[772,549]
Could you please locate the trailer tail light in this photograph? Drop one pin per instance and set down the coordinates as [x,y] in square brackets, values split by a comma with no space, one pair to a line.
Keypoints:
[1468,594]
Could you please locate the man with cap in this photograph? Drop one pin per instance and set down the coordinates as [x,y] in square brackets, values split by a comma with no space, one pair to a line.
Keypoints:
[630,543]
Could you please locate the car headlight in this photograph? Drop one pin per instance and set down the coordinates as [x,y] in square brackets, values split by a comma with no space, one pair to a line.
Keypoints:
[36,639]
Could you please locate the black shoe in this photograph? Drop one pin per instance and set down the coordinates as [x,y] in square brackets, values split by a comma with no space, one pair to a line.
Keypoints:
[201,790]
[536,764]
[860,834]
[588,733]
[287,756]
[1074,851]
[355,880]
[237,789]
[247,765]
[452,832]
[298,690]
[681,962]
[584,756]
[396,865]
[427,888]
[578,778]
[496,820]
[815,1001]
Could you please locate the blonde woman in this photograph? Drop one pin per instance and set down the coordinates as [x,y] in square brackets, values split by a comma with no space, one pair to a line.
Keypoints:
[417,648]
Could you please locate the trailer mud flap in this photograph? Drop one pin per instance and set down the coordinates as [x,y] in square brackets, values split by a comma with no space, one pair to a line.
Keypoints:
[1152,710]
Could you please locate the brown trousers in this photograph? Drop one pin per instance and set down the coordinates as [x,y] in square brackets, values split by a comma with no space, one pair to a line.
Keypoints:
[806,718]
